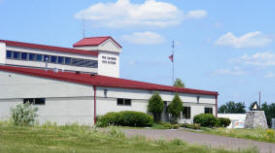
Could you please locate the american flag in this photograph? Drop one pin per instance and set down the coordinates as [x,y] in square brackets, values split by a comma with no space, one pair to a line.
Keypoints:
[171,57]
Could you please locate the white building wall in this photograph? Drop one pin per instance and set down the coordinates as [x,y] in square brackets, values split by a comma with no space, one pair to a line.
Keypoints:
[69,102]
[65,102]
[146,94]
[140,101]
[108,64]
[2,53]
[105,105]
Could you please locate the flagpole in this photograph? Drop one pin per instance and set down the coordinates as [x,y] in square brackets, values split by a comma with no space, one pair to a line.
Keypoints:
[173,46]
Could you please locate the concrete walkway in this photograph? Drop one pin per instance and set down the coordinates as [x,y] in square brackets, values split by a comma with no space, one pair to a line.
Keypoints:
[202,139]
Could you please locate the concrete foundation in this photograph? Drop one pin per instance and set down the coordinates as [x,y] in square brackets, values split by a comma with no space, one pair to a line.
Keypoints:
[255,119]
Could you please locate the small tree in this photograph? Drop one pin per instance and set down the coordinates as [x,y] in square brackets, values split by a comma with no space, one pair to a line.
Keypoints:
[179,83]
[24,114]
[155,106]
[175,108]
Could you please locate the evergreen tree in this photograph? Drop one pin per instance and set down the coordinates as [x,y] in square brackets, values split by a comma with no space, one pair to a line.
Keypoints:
[155,106]
[175,108]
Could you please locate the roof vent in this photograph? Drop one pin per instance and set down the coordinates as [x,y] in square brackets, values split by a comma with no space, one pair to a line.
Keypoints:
[93,74]
[55,70]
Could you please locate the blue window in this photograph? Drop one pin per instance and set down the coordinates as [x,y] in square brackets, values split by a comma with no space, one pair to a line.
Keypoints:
[46,58]
[38,57]
[53,59]
[60,60]
[68,61]
[24,56]
[9,54]
[31,57]
[16,55]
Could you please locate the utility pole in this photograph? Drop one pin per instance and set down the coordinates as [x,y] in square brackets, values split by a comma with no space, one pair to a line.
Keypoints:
[260,98]
[83,28]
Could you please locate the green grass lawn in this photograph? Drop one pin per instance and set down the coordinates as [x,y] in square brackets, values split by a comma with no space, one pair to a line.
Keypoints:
[266,135]
[79,139]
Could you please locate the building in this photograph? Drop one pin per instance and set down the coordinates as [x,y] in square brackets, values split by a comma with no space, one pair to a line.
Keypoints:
[77,84]
[237,120]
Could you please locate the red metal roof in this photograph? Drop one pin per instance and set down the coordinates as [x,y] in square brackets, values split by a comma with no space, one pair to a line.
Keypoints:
[49,48]
[94,41]
[102,81]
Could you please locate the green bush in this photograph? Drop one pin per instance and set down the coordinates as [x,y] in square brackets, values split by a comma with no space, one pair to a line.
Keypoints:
[191,126]
[125,118]
[206,120]
[223,122]
[24,114]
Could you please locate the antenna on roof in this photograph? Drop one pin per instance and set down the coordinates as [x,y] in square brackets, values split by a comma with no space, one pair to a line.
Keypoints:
[83,27]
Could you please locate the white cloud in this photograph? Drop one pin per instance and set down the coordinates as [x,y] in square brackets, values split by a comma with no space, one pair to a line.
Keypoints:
[123,13]
[269,75]
[146,38]
[234,71]
[248,40]
[258,59]
[196,14]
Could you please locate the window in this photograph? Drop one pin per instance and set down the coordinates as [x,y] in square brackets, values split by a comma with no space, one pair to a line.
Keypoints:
[9,54]
[31,57]
[124,102]
[24,56]
[91,63]
[38,57]
[16,55]
[186,114]
[68,61]
[46,58]
[53,59]
[60,60]
[77,62]
[35,101]
[208,110]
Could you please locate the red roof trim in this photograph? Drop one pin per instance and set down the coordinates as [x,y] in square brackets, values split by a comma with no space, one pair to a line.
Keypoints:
[102,81]
[49,48]
[94,41]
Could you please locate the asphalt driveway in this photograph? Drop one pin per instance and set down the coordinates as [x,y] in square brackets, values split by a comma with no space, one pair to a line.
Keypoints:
[202,139]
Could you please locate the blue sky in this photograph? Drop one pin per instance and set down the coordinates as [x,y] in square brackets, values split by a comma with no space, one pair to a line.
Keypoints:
[226,46]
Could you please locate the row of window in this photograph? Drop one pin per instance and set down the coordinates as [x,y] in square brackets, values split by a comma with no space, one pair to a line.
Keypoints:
[186,113]
[34,101]
[51,59]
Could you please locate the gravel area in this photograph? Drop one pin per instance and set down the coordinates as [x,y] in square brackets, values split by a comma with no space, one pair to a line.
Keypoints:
[202,139]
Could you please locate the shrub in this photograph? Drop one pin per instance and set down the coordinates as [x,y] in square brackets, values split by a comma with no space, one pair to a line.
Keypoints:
[191,126]
[175,108]
[270,134]
[206,120]
[24,114]
[223,122]
[166,125]
[111,118]
[125,118]
[156,106]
